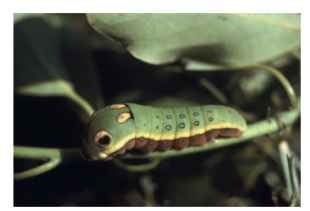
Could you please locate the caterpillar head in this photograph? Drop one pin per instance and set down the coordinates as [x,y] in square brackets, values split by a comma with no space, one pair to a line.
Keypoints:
[109,130]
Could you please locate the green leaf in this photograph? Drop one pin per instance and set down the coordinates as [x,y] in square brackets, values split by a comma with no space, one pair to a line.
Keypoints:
[38,65]
[229,40]
[49,88]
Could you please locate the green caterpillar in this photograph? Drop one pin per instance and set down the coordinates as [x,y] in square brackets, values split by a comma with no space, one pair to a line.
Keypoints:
[118,128]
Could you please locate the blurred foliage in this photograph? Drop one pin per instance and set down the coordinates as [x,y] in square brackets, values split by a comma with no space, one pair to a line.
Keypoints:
[56,55]
[50,61]
[219,39]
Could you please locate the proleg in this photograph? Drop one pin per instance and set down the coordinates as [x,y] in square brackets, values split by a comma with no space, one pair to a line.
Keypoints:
[120,128]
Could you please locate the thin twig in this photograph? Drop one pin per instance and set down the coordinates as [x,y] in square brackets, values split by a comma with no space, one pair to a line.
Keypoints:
[138,167]
[284,156]
[296,180]
[192,65]
[85,109]
[290,169]
[49,165]
[51,156]
[283,80]
[148,187]
[216,92]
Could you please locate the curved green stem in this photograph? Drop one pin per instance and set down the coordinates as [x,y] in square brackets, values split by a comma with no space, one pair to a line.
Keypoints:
[281,78]
[86,109]
[52,156]
[49,165]
[36,153]
[138,167]
[200,66]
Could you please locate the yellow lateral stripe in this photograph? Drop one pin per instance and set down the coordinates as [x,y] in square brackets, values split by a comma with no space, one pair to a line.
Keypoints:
[125,140]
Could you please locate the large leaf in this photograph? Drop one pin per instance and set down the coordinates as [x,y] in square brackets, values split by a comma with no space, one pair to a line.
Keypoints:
[40,69]
[218,39]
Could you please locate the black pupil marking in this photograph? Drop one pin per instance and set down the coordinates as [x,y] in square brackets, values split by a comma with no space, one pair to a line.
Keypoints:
[182,116]
[210,119]
[196,123]
[104,141]
[196,113]
[168,127]
[169,116]
[182,125]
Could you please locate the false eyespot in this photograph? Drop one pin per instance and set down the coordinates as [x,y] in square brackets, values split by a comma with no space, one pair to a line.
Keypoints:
[117,106]
[102,138]
[123,117]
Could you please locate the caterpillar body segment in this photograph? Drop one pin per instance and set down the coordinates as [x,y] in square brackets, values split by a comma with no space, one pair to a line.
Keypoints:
[119,128]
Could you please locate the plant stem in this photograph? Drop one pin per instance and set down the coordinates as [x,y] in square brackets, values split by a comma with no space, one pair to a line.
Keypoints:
[36,153]
[192,65]
[283,80]
[290,168]
[52,156]
[213,90]
[154,162]
[284,156]
[84,108]
[37,170]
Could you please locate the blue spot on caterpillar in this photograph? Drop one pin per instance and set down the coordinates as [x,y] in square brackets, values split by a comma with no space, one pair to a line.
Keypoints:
[118,128]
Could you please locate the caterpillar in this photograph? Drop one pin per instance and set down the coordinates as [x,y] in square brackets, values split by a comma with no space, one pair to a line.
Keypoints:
[118,128]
